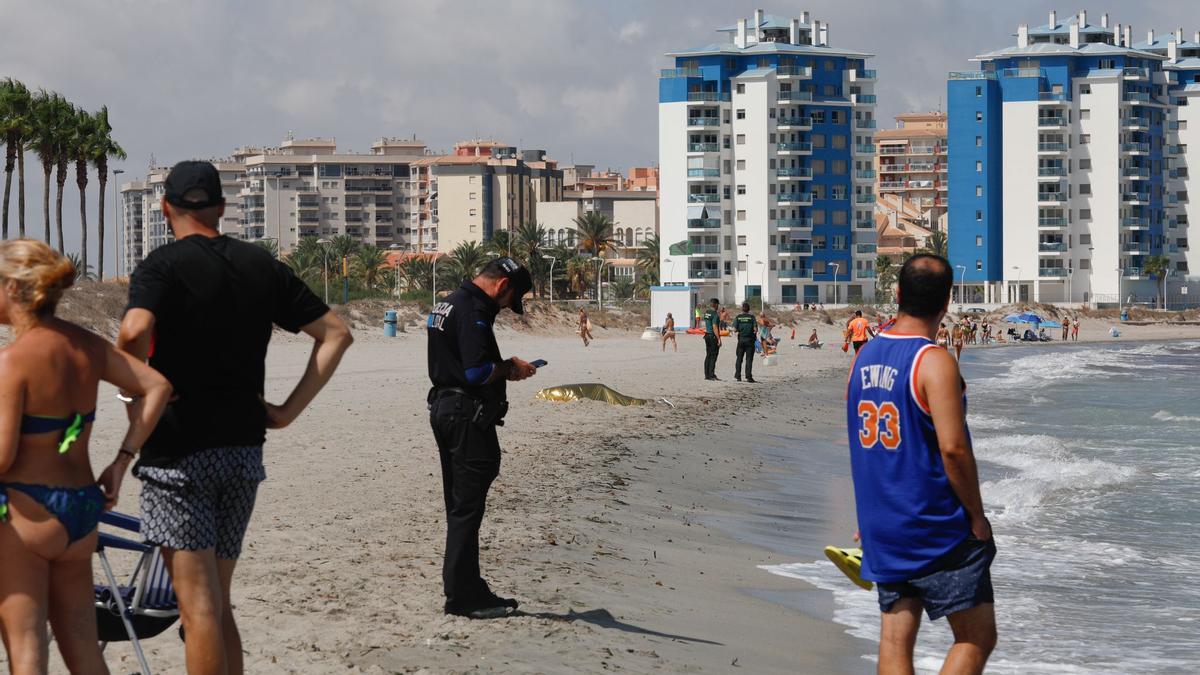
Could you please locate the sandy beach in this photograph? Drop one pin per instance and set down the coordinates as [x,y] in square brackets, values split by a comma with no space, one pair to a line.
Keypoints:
[605,521]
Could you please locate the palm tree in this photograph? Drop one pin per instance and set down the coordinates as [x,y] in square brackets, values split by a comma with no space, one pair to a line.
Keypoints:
[527,249]
[368,264]
[579,273]
[62,159]
[341,247]
[102,147]
[499,245]
[82,273]
[648,254]
[416,273]
[595,233]
[464,263]
[84,137]
[269,245]
[1159,266]
[623,288]
[16,125]
[561,254]
[51,115]
[307,258]
[885,274]
[937,243]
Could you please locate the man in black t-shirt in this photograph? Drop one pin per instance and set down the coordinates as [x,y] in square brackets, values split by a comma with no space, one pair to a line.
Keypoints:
[746,327]
[202,310]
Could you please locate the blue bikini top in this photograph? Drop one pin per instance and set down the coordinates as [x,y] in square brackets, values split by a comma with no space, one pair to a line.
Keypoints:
[71,426]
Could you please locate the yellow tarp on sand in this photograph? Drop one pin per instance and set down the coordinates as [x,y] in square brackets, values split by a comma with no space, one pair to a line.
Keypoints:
[594,391]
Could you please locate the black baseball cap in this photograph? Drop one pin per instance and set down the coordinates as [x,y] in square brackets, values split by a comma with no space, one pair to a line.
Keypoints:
[518,277]
[189,176]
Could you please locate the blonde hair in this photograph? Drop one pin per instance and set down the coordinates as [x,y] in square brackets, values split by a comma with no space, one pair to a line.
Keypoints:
[41,274]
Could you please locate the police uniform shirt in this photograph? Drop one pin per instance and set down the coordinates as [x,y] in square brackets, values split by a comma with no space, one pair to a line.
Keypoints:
[462,346]
[745,324]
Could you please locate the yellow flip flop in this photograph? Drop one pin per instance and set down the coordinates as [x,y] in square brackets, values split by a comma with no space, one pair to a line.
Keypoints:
[849,561]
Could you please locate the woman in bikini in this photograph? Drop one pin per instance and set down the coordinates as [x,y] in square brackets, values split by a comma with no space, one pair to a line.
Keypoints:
[669,332]
[958,336]
[585,327]
[50,502]
[943,337]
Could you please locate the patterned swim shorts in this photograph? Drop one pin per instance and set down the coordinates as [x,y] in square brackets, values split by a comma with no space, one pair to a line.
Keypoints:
[202,501]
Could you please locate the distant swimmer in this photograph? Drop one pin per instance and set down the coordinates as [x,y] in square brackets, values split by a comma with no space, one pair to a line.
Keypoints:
[926,542]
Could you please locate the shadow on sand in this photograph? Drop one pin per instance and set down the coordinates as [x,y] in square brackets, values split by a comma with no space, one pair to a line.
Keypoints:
[604,619]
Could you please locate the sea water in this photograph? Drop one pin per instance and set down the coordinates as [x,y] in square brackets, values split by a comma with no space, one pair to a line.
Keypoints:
[1090,468]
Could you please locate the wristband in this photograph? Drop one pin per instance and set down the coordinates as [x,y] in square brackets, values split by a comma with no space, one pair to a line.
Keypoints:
[124,451]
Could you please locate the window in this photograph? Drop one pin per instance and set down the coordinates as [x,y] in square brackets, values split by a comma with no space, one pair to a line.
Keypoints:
[839,167]
[979,141]
[1085,114]
[1085,239]
[726,116]
[1085,164]
[829,64]
[1085,188]
[741,164]
[726,166]
[978,92]
[741,265]
[741,189]
[839,242]
[835,116]
[838,141]
[979,240]
[979,215]
[1085,214]
[771,240]
[741,214]
[829,90]
[818,216]
[771,113]
[728,216]
[978,190]
[1085,264]
[771,136]
[818,167]
[725,142]
[741,87]
[1085,89]
[978,116]
[772,264]
[818,242]
[978,265]
[741,240]
[839,217]
[741,113]
[472,196]
[741,139]
[1084,139]
[471,212]
[978,167]
[818,116]
[818,140]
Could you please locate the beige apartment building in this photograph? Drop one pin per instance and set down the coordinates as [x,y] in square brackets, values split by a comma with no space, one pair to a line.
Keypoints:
[910,163]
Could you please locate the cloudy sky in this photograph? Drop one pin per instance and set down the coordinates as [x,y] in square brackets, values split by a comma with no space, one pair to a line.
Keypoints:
[575,77]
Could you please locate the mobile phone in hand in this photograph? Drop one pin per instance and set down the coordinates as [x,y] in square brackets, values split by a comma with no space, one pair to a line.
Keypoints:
[538,364]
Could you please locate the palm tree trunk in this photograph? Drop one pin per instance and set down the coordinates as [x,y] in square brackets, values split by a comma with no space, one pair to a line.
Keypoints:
[100,229]
[83,228]
[46,198]
[9,160]
[21,190]
[61,179]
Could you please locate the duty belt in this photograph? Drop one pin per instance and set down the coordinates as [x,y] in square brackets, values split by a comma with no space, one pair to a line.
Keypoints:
[485,412]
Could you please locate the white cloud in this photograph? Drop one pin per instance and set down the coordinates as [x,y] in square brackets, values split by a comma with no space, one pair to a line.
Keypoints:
[631,31]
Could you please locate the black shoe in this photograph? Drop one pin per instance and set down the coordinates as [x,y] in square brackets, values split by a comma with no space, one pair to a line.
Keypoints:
[751,379]
[739,379]
[493,607]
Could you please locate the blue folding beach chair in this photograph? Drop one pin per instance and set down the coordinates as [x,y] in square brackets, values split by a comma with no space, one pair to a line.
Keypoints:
[145,606]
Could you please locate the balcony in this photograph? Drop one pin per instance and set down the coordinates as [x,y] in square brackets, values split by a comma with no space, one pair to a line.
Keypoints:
[794,121]
[703,122]
[1177,198]
[1176,149]
[796,247]
[703,198]
[1135,123]
[1052,272]
[309,205]
[1135,147]
[864,99]
[1136,97]
[794,96]
[1051,171]
[1052,97]
[893,149]
[864,149]
[1173,125]
[865,249]
[1052,147]
[1135,223]
[704,223]
[1052,197]
[672,73]
[1135,73]
[1022,72]
[972,75]
[866,198]
[865,174]
[704,249]
[1052,222]
[1132,273]
[1136,172]
[864,273]
[1051,247]
[1136,247]
[794,71]
[892,185]
[1135,197]
[694,273]
[804,273]
[804,223]
[1052,121]
[794,147]
[794,172]
[707,96]
[926,150]
[703,173]
[864,224]
[795,198]
[864,124]
[863,74]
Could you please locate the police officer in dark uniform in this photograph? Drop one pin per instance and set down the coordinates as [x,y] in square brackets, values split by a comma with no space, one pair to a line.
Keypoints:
[466,404]
[712,339]
[745,325]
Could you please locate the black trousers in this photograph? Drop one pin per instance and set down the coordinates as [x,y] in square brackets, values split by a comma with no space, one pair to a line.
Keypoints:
[470,455]
[711,348]
[745,349]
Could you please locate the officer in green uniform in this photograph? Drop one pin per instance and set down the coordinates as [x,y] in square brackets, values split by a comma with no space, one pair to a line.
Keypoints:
[745,325]
[712,339]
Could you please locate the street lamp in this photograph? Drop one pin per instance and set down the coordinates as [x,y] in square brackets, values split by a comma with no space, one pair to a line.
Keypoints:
[672,261]
[552,260]
[836,267]
[1120,302]
[396,268]
[762,290]
[962,279]
[325,265]
[117,220]
[599,287]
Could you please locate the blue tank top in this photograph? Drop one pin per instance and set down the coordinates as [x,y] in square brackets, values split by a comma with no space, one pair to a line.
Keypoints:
[908,514]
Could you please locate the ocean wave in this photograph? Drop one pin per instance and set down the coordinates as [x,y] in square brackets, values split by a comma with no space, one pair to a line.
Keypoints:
[987,422]
[1166,416]
[1047,473]
[1036,369]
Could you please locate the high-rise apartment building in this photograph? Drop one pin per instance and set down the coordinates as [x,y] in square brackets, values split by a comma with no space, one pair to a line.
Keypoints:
[766,159]
[1068,164]
[911,164]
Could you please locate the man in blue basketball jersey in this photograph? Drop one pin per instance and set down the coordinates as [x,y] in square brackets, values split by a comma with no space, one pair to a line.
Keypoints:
[926,542]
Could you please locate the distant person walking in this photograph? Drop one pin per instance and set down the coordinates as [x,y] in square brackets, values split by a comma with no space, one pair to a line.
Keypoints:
[585,327]
[746,327]
[926,541]
[1066,329]
[206,305]
[669,333]
[958,338]
[1075,330]
[712,340]
[858,330]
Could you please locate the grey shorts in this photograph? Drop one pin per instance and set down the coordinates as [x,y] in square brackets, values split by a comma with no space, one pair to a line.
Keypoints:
[202,501]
